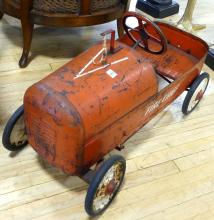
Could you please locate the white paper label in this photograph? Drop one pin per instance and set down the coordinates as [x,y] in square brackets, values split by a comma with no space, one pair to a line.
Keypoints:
[111,73]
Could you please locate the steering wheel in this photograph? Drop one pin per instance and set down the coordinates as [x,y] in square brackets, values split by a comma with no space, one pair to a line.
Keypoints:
[147,34]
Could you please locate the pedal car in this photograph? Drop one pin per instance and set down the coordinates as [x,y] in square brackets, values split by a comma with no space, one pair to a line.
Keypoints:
[94,103]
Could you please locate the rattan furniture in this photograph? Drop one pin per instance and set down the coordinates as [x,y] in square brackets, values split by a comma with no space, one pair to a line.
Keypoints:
[61,13]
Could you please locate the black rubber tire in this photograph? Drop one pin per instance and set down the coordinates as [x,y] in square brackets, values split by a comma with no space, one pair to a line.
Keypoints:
[100,173]
[8,129]
[191,91]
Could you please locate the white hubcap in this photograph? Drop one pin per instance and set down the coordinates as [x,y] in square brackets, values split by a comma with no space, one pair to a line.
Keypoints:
[102,197]
[18,135]
[197,95]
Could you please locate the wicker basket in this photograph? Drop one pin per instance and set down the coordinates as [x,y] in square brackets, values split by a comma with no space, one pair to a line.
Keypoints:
[103,4]
[57,6]
[69,6]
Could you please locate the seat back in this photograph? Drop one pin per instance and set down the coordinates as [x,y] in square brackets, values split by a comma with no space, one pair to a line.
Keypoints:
[79,7]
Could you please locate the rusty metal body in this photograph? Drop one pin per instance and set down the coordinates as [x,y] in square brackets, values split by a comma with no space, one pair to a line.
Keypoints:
[73,120]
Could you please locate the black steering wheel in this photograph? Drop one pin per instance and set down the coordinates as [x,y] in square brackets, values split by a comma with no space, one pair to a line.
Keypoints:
[147,34]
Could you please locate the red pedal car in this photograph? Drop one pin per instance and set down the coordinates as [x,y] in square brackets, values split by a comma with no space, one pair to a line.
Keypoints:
[94,103]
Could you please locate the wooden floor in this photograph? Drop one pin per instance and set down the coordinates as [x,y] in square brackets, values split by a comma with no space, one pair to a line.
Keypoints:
[170,162]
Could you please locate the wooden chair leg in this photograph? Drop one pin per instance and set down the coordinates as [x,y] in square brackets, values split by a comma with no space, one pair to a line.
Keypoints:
[27,31]
[120,27]
[1,14]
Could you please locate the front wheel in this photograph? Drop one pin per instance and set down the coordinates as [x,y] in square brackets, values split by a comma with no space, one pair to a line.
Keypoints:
[105,185]
[195,93]
[14,135]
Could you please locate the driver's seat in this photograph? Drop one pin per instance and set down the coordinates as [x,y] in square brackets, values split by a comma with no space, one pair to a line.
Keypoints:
[171,64]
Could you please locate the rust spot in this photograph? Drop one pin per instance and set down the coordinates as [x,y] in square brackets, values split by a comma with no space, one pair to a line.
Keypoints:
[115,86]
[105,98]
[61,105]
[169,60]
[61,72]
[73,72]
[45,139]
[46,98]
[70,82]
[139,60]
[123,78]
[56,120]
[102,77]
[123,90]
[64,69]
[75,115]
[64,92]
[39,141]
[65,106]
[124,133]
[34,103]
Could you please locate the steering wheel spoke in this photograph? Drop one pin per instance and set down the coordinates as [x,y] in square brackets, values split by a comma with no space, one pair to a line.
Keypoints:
[145,43]
[140,24]
[133,29]
[154,39]
[144,32]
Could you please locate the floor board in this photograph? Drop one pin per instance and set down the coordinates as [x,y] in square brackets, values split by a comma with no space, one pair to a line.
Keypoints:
[170,161]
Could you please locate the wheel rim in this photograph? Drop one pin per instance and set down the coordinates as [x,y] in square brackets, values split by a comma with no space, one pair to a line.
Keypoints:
[108,187]
[198,94]
[18,134]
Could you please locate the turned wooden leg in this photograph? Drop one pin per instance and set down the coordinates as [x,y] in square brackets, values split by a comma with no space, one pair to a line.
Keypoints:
[120,27]
[27,31]
[186,21]
[1,14]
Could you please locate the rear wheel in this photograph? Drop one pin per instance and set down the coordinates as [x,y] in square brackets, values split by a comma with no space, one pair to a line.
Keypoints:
[195,93]
[14,135]
[105,185]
